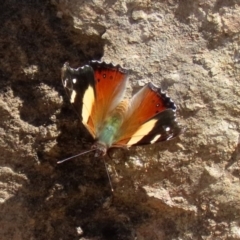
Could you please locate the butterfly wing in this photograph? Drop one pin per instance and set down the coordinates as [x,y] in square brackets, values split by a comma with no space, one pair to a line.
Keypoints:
[110,85]
[80,87]
[94,90]
[150,118]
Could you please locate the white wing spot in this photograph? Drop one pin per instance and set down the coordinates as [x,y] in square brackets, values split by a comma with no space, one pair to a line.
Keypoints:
[169,137]
[74,80]
[65,82]
[73,95]
[167,129]
[155,138]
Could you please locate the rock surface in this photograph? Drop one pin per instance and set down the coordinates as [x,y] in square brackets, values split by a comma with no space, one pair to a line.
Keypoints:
[184,189]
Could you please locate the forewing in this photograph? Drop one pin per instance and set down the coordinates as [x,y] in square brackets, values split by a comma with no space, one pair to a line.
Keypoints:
[94,90]
[80,86]
[150,118]
[110,85]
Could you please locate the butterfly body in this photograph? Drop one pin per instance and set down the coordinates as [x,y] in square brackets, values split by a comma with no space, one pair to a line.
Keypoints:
[96,92]
[109,131]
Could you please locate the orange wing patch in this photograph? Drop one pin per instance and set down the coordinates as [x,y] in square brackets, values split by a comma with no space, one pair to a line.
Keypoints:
[110,85]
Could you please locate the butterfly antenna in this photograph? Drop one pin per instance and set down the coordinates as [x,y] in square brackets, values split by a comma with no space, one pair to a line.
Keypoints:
[66,159]
[109,179]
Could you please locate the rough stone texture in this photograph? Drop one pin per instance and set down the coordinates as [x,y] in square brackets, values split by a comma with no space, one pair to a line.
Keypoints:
[184,189]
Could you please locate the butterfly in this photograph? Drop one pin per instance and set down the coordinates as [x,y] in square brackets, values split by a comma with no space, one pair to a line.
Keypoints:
[97,92]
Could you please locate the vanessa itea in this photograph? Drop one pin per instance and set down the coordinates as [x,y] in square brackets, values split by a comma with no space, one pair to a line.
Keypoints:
[96,92]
